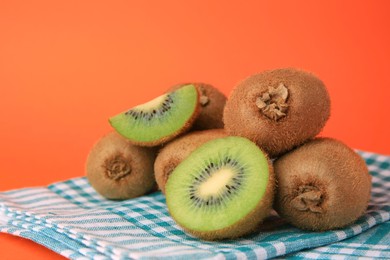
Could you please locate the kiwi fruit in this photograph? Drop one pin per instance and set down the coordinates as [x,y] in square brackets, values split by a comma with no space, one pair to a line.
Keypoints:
[175,151]
[322,185]
[223,189]
[278,109]
[119,170]
[161,119]
[212,101]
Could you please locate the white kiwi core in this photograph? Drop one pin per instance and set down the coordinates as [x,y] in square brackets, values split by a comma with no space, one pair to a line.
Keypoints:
[152,104]
[216,183]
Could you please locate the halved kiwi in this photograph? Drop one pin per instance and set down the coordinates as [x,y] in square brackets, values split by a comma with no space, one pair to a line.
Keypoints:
[278,109]
[161,119]
[175,151]
[119,170]
[223,189]
[212,101]
[322,185]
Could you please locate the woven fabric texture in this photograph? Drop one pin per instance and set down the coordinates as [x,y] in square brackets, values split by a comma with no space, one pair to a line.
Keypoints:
[70,218]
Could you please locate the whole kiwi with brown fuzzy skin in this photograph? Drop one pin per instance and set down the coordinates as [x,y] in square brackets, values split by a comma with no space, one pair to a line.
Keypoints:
[278,109]
[119,170]
[212,102]
[322,185]
[177,150]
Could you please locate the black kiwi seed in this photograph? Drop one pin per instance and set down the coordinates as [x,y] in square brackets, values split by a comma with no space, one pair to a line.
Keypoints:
[230,189]
[177,150]
[166,105]
[173,115]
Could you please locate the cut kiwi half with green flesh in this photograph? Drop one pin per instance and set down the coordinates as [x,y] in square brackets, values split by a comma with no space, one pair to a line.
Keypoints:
[160,119]
[212,101]
[224,189]
[171,154]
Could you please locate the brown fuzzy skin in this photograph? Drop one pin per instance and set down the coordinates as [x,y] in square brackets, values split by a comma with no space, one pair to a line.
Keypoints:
[119,170]
[176,151]
[251,223]
[322,185]
[308,110]
[212,110]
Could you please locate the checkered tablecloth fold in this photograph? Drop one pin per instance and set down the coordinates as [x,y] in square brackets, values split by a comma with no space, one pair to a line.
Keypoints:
[70,218]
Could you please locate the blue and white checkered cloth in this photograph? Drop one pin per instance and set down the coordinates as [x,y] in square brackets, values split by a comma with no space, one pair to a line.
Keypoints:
[70,218]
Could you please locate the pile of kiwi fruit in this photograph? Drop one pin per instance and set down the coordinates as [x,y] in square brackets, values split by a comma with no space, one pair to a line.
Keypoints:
[225,164]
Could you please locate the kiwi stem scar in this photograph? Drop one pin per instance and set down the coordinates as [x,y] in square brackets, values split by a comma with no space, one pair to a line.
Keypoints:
[203,99]
[309,198]
[117,167]
[273,102]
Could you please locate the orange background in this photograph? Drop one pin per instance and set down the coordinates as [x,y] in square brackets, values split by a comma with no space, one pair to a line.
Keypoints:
[66,66]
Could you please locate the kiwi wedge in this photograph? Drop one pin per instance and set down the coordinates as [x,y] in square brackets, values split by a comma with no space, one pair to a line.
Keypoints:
[223,189]
[322,185]
[278,109]
[118,170]
[212,101]
[178,149]
[161,119]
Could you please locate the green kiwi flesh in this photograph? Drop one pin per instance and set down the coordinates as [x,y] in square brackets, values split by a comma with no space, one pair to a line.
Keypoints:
[322,185]
[118,170]
[160,119]
[178,149]
[278,109]
[212,101]
[223,189]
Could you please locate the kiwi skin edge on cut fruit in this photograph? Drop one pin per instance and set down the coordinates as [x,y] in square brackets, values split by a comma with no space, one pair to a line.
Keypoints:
[224,189]
[277,109]
[212,102]
[160,120]
[177,150]
[322,185]
[119,170]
